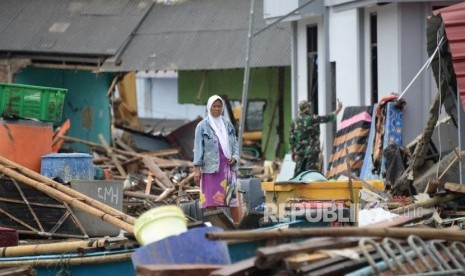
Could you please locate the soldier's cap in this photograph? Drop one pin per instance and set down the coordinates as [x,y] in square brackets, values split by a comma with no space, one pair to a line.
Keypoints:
[304,105]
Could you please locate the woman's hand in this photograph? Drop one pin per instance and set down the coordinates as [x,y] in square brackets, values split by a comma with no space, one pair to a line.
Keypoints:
[232,161]
[197,175]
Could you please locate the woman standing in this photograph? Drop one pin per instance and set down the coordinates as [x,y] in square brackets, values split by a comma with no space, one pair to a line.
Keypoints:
[216,153]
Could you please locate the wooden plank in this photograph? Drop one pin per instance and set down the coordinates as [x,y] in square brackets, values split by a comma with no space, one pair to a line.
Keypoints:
[268,257]
[176,269]
[181,186]
[296,261]
[454,187]
[163,152]
[431,202]
[157,172]
[140,195]
[148,184]
[244,267]
[123,145]
[111,89]
[112,155]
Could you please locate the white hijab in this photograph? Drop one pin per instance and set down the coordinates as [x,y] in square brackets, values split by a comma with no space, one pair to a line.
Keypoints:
[219,126]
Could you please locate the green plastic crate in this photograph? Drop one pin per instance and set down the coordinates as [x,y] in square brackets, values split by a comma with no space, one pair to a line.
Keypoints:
[31,102]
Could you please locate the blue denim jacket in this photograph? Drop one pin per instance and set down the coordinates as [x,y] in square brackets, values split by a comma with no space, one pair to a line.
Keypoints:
[206,150]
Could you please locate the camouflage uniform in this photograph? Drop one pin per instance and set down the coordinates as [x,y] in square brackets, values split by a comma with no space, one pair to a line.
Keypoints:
[304,137]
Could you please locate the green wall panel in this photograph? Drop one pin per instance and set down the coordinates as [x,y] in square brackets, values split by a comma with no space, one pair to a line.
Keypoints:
[197,86]
[86,104]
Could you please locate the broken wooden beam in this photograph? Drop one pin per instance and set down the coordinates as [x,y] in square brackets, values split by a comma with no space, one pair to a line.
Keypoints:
[112,156]
[393,232]
[157,172]
[267,257]
[429,203]
[454,187]
[140,195]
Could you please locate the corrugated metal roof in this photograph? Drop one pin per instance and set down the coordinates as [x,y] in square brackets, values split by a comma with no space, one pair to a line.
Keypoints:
[86,27]
[203,34]
[454,21]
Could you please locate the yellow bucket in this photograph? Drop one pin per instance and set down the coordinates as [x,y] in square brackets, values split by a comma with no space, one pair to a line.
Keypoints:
[159,223]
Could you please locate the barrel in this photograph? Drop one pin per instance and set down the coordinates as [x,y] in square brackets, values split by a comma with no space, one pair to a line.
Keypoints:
[68,166]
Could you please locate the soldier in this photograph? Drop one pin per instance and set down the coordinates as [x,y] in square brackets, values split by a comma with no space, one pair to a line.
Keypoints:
[304,136]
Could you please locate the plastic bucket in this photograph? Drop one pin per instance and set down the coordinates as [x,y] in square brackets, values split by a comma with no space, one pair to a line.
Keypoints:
[159,223]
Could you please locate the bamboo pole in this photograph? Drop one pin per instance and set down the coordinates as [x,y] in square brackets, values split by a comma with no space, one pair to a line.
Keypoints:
[71,261]
[393,232]
[67,190]
[68,199]
[51,235]
[51,248]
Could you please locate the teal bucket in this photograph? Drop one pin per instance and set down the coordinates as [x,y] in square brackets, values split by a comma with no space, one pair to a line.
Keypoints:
[68,166]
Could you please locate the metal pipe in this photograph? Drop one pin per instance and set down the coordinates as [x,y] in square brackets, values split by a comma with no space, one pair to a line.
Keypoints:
[245,87]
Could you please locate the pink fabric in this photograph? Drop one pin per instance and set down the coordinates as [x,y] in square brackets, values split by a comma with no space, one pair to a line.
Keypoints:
[212,187]
[363,116]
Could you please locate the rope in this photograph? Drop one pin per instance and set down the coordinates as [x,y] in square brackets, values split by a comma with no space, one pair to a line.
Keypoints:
[427,63]
[440,104]
[63,266]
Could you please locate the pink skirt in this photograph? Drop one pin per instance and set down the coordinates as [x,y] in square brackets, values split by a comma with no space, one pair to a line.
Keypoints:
[219,189]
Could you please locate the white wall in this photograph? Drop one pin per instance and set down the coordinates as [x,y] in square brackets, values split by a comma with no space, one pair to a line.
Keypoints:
[401,54]
[413,56]
[302,82]
[157,97]
[388,50]
[345,51]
